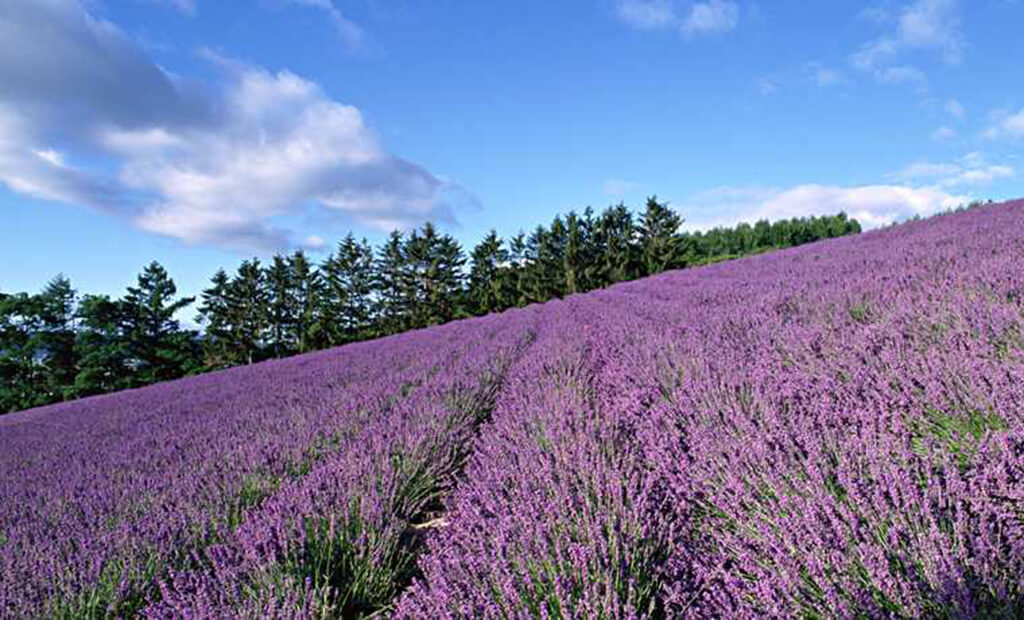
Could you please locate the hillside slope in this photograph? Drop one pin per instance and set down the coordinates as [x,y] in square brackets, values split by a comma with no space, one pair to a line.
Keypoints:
[831,430]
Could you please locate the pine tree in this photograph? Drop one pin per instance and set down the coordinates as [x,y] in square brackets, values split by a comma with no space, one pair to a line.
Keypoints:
[487,288]
[616,246]
[393,285]
[306,289]
[103,347]
[346,305]
[576,259]
[160,349]
[248,310]
[281,307]
[214,314]
[657,236]
[22,376]
[56,306]
[516,280]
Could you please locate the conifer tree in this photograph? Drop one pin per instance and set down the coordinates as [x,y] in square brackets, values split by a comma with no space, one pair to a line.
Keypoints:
[159,347]
[214,314]
[103,347]
[657,236]
[487,283]
[305,296]
[247,309]
[281,307]
[348,284]
[56,307]
[615,246]
[22,376]
[393,285]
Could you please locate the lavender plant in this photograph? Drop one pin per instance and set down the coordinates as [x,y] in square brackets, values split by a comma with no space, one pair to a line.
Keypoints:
[830,431]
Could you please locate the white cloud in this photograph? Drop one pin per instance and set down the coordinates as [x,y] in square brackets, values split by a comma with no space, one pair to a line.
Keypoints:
[943,133]
[710,17]
[353,36]
[956,109]
[933,25]
[822,75]
[970,170]
[1006,125]
[647,14]
[903,75]
[874,53]
[766,85]
[827,77]
[185,6]
[872,205]
[713,16]
[87,119]
[921,26]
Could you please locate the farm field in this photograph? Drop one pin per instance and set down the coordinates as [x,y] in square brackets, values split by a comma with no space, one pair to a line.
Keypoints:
[833,430]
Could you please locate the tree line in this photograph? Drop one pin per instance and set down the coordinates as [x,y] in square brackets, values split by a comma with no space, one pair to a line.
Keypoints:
[57,345]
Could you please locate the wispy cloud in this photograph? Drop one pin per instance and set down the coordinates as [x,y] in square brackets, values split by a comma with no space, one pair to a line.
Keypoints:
[711,17]
[1006,125]
[825,77]
[956,109]
[931,26]
[352,35]
[767,85]
[188,7]
[972,169]
[647,14]
[872,205]
[903,75]
[97,124]
[690,19]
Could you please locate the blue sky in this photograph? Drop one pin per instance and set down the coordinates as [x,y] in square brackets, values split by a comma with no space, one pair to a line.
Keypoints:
[200,132]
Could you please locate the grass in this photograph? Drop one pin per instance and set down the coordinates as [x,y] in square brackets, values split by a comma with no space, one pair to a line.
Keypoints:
[957,434]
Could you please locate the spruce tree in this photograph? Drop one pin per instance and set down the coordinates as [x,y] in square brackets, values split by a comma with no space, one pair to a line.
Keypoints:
[657,236]
[616,246]
[160,349]
[486,276]
[248,312]
[56,306]
[393,285]
[214,314]
[103,347]
[22,375]
[306,329]
[346,304]
[281,307]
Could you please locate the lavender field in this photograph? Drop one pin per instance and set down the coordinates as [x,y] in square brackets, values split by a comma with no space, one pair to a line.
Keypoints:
[834,430]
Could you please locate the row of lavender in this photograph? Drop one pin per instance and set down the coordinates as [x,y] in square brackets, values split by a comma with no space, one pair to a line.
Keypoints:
[833,431]
[830,431]
[106,503]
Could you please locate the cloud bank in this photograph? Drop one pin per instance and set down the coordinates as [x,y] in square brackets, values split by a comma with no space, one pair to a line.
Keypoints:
[87,118]
[872,205]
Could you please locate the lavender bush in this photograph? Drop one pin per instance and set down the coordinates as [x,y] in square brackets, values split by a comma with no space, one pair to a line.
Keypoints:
[835,430]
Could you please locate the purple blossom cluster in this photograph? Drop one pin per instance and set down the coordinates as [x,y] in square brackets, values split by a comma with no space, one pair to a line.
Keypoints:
[834,430]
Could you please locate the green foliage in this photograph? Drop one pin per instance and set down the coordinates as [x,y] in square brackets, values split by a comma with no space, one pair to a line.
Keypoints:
[955,433]
[159,348]
[103,347]
[215,315]
[346,302]
[659,244]
[120,592]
